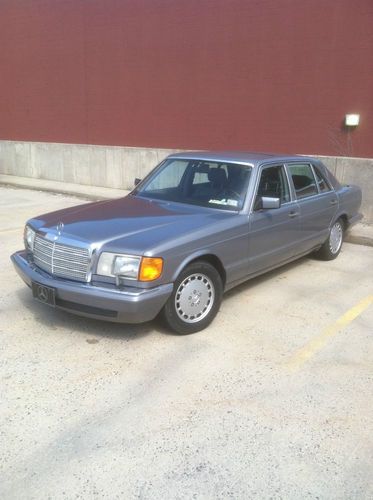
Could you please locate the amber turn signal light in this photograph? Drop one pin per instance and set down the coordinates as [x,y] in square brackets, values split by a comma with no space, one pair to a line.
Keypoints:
[150,268]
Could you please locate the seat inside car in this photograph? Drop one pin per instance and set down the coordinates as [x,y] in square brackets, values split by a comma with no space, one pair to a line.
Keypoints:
[303,185]
[270,184]
[216,182]
[218,179]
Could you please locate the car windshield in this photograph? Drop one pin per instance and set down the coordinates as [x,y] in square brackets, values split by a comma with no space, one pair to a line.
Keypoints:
[205,183]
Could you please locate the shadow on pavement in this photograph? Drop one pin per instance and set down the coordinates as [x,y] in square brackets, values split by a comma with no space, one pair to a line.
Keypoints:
[267,276]
[58,319]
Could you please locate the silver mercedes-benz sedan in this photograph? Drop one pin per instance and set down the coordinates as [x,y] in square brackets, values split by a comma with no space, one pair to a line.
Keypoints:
[196,226]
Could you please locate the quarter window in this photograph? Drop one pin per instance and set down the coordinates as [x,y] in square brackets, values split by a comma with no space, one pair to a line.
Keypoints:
[321,182]
[303,180]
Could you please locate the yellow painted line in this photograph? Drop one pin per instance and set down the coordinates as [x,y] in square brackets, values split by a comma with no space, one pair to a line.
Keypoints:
[316,344]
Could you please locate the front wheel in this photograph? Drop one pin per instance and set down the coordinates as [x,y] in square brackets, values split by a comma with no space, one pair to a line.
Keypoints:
[332,246]
[195,299]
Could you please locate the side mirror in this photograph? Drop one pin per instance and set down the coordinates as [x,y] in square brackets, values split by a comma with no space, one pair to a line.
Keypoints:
[270,203]
[137,181]
[266,203]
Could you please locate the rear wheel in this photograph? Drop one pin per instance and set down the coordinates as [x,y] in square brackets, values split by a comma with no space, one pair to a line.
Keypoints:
[195,299]
[332,246]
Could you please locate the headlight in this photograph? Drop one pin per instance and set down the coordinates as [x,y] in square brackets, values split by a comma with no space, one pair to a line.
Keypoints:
[125,266]
[29,237]
[130,266]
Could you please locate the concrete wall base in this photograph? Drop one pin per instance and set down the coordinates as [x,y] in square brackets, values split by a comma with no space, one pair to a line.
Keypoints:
[117,167]
[106,166]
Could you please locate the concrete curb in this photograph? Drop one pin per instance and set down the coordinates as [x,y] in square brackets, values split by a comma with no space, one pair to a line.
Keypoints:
[93,193]
[354,236]
[360,234]
[85,196]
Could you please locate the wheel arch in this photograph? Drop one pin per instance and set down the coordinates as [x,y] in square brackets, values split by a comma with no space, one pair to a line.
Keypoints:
[345,220]
[343,216]
[205,256]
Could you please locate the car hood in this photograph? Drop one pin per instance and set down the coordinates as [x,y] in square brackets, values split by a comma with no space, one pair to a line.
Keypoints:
[131,223]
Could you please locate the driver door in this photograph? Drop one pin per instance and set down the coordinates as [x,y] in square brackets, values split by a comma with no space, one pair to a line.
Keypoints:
[273,233]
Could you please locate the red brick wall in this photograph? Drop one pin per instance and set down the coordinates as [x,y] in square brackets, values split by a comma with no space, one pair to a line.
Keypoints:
[273,75]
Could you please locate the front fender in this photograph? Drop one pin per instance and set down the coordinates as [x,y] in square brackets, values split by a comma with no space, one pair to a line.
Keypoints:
[194,256]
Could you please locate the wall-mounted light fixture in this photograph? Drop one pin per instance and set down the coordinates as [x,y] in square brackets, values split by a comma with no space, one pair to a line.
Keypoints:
[352,120]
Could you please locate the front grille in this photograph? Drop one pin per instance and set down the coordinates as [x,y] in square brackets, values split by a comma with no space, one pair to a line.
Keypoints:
[61,260]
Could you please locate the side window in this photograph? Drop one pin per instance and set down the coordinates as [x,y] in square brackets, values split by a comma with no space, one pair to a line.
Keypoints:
[303,180]
[273,184]
[321,182]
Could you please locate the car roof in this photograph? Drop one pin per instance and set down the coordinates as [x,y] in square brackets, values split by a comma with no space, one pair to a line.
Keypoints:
[249,158]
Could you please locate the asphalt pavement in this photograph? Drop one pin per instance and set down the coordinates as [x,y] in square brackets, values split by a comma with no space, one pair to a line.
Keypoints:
[273,400]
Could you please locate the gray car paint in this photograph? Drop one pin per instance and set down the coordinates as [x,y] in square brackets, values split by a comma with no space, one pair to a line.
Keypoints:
[243,244]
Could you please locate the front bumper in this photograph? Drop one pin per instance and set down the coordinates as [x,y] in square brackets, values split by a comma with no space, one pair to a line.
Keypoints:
[130,305]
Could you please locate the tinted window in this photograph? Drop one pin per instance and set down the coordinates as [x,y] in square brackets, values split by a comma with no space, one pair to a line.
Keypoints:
[303,180]
[273,184]
[321,182]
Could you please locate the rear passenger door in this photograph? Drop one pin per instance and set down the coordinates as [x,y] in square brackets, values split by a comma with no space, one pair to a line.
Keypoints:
[317,203]
[274,233]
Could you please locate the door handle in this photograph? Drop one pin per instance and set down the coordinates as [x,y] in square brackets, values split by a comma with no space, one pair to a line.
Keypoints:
[293,214]
[333,202]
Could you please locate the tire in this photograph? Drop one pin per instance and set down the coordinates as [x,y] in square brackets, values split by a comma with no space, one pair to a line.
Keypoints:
[195,300]
[332,246]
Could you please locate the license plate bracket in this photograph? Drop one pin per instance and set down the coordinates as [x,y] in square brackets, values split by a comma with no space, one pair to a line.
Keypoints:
[44,294]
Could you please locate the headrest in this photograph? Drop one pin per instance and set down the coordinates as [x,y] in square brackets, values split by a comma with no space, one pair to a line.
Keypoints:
[203,168]
[217,175]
